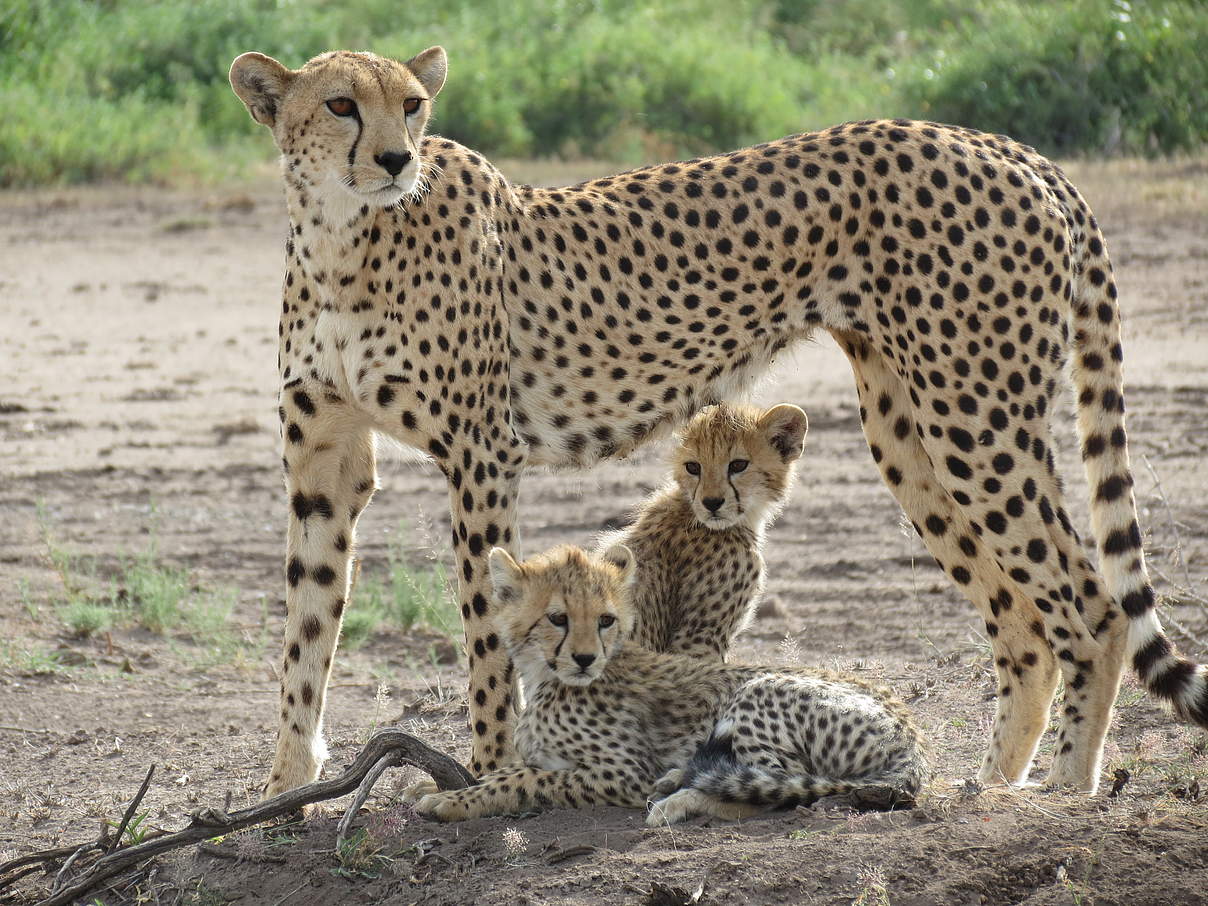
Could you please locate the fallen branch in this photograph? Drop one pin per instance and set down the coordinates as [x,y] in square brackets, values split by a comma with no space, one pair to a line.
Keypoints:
[389,746]
[366,787]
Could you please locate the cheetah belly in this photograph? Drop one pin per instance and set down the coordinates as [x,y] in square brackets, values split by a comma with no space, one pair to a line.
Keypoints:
[533,742]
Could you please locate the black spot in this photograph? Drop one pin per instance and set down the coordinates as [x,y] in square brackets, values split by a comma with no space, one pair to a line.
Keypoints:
[959,468]
[304,403]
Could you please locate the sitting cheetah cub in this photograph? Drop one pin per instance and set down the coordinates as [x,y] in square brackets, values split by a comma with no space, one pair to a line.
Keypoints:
[609,721]
[697,541]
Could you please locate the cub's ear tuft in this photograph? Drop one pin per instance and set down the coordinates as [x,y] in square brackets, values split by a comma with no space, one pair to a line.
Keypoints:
[784,426]
[622,558]
[507,576]
[430,67]
[261,83]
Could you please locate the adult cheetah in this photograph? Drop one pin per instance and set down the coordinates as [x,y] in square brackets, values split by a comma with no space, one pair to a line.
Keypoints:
[496,327]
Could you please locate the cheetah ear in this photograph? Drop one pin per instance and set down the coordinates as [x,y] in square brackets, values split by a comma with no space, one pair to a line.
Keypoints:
[784,426]
[507,576]
[261,83]
[622,558]
[430,67]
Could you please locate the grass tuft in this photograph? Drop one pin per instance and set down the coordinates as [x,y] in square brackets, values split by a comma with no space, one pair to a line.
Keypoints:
[403,595]
[141,590]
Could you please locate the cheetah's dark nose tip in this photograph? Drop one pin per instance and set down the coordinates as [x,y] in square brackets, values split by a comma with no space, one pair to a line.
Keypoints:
[392,161]
[584,660]
[713,504]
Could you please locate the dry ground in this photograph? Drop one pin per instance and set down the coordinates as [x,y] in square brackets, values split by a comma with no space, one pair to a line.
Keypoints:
[138,336]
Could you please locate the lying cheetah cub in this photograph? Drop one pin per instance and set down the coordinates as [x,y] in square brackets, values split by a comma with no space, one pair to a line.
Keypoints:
[697,541]
[609,721]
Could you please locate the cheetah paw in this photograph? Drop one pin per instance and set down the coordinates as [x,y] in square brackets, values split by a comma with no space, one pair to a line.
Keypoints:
[675,808]
[440,807]
[669,782]
[416,791]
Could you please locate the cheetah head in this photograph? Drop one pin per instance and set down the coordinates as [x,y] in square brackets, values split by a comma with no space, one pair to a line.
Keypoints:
[346,123]
[734,464]
[563,614]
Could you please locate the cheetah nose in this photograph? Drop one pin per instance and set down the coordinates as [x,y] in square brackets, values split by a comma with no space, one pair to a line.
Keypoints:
[584,660]
[392,161]
[713,504]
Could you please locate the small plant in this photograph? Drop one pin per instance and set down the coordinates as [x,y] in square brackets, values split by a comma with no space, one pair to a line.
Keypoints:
[803,833]
[873,890]
[86,618]
[30,661]
[152,590]
[28,604]
[515,844]
[789,651]
[405,596]
[360,857]
[362,620]
[142,590]
[380,699]
[136,831]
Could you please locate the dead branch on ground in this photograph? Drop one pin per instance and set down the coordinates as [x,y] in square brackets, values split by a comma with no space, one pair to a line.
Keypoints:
[384,749]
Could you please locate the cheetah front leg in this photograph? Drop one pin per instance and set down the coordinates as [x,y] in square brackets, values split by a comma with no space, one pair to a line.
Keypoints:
[329,477]
[484,480]
[521,789]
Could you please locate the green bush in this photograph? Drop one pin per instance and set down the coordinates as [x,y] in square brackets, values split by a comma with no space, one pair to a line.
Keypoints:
[136,89]
[1083,76]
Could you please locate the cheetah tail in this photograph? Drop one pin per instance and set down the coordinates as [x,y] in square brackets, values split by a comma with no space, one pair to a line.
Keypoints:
[715,771]
[1099,382]
[766,789]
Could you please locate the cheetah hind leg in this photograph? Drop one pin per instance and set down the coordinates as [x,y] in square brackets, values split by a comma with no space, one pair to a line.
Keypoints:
[1023,659]
[691,803]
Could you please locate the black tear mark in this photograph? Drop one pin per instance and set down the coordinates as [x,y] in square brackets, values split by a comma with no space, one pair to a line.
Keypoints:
[352,152]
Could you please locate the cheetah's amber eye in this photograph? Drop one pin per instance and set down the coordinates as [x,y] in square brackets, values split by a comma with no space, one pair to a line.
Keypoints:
[692,468]
[411,105]
[607,620]
[738,465]
[558,619]
[342,106]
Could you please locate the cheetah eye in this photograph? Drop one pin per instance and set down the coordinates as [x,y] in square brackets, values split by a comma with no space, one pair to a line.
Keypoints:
[692,468]
[738,465]
[607,620]
[558,619]
[411,105]
[342,106]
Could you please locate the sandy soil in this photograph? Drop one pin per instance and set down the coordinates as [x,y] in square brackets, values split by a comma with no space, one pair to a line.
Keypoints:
[138,333]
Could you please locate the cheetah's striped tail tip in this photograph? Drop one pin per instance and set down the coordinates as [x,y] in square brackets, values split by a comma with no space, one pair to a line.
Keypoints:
[1178,682]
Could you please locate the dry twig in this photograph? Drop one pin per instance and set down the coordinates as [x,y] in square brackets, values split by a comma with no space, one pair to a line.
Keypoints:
[390,746]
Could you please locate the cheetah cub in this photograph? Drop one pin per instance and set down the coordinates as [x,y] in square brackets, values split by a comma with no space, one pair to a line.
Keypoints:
[608,720]
[697,541]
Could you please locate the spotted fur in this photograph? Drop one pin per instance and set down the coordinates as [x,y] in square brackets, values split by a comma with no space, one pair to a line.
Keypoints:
[698,540]
[495,327]
[609,721]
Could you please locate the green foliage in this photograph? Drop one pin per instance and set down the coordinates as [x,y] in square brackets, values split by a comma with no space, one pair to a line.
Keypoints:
[142,590]
[136,89]
[1086,75]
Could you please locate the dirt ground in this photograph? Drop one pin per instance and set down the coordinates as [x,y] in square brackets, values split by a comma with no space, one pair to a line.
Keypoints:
[138,332]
